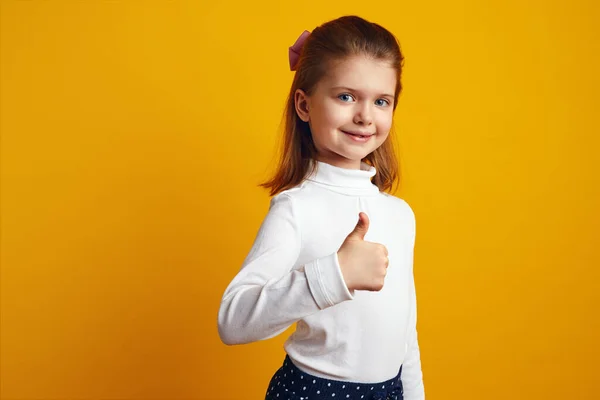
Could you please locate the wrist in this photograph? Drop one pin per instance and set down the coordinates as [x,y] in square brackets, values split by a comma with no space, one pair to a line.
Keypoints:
[345,275]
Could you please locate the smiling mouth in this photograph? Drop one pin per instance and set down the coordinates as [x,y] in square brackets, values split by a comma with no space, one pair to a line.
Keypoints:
[358,134]
[357,137]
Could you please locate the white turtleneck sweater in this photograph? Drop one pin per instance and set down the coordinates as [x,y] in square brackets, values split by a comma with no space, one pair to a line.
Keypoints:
[292,274]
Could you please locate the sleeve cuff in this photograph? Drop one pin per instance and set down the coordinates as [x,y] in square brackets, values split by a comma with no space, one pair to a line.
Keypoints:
[326,281]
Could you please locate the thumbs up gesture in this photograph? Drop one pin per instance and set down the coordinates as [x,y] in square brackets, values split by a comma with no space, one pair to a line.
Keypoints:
[363,264]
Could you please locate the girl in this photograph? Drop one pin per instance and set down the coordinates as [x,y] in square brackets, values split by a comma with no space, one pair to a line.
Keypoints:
[334,253]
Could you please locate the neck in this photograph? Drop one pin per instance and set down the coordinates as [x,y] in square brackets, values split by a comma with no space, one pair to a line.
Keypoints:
[341,163]
[345,180]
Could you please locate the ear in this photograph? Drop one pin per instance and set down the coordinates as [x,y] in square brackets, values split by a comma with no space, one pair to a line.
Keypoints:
[301,102]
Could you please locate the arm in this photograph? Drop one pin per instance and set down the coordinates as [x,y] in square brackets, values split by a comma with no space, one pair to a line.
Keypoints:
[267,296]
[412,375]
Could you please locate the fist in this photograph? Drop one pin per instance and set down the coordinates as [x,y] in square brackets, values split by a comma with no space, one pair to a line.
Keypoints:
[363,264]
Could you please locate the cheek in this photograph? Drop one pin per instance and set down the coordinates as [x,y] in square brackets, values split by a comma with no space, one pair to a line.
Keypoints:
[332,116]
[385,123]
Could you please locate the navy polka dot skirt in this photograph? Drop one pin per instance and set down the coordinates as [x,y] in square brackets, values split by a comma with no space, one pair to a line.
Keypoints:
[290,383]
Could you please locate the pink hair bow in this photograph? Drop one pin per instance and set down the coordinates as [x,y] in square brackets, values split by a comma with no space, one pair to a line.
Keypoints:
[296,49]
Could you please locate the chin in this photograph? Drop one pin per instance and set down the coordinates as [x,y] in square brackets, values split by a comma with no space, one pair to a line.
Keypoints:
[355,157]
[358,155]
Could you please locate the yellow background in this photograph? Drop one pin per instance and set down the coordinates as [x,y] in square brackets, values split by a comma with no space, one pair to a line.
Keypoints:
[134,134]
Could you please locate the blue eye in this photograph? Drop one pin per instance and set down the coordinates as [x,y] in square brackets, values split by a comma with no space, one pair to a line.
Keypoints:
[345,97]
[385,102]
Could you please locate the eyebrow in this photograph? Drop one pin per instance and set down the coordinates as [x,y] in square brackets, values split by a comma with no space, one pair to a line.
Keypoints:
[355,90]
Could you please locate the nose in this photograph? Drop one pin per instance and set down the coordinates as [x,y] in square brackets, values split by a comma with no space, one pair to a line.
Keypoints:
[364,115]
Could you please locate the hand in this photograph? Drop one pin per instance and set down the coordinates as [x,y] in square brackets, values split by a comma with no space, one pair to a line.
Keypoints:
[363,264]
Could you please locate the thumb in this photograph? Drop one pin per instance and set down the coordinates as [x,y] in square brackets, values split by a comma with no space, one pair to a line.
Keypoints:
[361,228]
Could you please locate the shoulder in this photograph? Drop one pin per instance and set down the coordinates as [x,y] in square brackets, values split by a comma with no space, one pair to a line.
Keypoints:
[400,207]
[286,196]
[286,210]
[286,200]
[399,203]
[300,194]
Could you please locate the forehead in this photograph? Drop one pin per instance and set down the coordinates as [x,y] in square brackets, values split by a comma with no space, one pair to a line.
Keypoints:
[360,73]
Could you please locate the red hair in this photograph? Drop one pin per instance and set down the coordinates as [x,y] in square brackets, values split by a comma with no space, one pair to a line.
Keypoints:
[335,40]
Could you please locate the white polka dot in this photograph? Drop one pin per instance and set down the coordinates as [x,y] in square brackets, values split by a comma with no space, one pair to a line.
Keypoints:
[358,387]
[383,387]
[371,387]
[304,388]
[314,381]
[301,376]
[292,382]
[333,395]
[347,395]
[284,375]
[343,386]
[362,396]
[277,394]
[318,392]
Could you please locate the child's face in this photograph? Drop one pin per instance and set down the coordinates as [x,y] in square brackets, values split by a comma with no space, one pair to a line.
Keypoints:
[355,96]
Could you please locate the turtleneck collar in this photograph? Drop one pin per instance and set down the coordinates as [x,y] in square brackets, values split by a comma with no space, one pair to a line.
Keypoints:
[345,180]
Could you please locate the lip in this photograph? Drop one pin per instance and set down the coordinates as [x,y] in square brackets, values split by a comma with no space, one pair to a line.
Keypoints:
[351,136]
[358,133]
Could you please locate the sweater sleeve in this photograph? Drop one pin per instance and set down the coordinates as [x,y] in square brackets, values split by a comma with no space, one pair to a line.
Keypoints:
[268,294]
[412,375]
